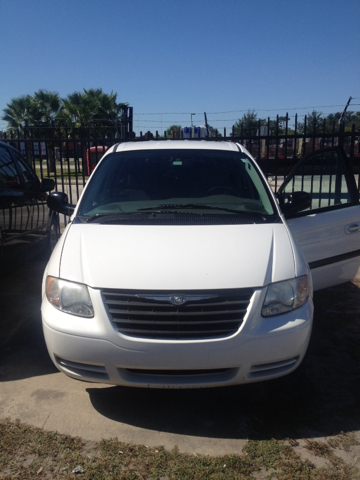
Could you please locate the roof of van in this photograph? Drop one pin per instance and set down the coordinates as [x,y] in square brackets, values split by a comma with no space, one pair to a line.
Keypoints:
[176,145]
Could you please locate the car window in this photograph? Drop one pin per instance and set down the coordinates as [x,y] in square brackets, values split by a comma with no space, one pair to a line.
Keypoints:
[130,181]
[9,177]
[323,177]
[29,178]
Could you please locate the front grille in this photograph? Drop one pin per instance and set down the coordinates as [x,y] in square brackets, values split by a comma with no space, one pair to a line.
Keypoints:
[271,369]
[83,370]
[151,314]
[178,373]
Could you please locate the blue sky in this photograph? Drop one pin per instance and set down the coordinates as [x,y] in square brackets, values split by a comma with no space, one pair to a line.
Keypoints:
[171,58]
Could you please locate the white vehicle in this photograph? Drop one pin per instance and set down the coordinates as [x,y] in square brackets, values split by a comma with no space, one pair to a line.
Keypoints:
[178,268]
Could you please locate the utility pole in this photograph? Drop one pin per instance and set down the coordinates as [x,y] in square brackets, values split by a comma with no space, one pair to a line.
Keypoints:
[206,125]
[341,123]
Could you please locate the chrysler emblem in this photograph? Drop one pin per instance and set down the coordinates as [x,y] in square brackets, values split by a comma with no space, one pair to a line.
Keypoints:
[177,299]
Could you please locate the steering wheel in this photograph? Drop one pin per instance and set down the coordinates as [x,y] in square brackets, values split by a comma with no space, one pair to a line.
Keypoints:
[222,189]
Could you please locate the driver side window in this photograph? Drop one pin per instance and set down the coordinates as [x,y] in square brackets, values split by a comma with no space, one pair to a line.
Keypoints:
[323,177]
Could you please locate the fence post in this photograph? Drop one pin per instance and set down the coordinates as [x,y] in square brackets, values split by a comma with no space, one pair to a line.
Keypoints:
[286,138]
[304,138]
[50,150]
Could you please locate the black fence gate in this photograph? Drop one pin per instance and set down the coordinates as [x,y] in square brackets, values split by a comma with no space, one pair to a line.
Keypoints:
[69,155]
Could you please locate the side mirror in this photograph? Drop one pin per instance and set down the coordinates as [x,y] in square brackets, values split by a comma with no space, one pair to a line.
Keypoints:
[58,201]
[47,184]
[297,202]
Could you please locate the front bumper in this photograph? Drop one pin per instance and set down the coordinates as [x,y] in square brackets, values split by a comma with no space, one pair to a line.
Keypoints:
[92,350]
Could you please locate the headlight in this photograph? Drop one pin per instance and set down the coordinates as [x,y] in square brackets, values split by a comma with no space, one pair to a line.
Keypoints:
[282,297]
[69,297]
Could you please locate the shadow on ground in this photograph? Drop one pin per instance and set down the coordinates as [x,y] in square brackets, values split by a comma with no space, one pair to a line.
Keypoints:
[321,398]
[23,352]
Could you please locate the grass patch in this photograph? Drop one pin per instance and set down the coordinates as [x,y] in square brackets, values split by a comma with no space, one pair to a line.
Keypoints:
[66,173]
[318,448]
[344,441]
[31,453]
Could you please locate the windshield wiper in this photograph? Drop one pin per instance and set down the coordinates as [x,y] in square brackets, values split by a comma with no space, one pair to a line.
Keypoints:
[196,206]
[98,216]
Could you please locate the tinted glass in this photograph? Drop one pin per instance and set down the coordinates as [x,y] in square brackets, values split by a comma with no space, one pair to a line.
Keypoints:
[127,182]
[8,174]
[322,176]
[29,178]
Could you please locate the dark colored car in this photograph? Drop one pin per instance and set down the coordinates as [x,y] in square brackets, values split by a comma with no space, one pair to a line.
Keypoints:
[27,225]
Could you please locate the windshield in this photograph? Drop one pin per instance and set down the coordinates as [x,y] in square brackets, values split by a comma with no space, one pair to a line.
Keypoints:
[211,182]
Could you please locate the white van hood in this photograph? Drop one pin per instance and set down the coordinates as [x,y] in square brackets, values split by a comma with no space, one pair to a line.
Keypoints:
[177,257]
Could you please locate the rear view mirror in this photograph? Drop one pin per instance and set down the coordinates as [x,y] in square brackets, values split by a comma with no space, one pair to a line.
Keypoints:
[47,184]
[58,201]
[297,202]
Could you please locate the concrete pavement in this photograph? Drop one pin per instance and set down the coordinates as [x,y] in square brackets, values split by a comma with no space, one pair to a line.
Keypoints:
[32,390]
[321,398]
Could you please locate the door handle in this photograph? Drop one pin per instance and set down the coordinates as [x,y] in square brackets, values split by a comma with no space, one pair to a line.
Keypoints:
[352,228]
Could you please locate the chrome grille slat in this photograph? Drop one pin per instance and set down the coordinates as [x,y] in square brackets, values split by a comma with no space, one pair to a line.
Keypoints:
[190,303]
[195,333]
[178,313]
[173,322]
[219,314]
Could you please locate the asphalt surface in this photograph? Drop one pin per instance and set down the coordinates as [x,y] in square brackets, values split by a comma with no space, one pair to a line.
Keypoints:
[321,398]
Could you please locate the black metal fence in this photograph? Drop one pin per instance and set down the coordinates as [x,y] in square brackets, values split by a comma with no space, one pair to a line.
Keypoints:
[68,155]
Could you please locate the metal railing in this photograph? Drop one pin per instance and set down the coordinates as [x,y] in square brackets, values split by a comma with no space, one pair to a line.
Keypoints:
[64,153]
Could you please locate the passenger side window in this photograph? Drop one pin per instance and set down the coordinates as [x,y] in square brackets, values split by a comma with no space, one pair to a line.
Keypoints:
[323,177]
[9,177]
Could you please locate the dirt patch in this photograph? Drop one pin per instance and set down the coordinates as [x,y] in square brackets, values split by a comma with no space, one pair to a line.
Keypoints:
[30,453]
[305,425]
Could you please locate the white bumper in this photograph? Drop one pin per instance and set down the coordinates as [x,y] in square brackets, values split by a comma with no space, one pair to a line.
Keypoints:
[92,350]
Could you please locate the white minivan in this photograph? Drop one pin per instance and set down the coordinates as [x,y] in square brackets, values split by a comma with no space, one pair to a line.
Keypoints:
[179,270]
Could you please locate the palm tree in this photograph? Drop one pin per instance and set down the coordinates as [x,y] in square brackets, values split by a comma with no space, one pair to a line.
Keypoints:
[92,108]
[39,111]
[47,106]
[19,113]
[77,111]
[108,111]
[82,110]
